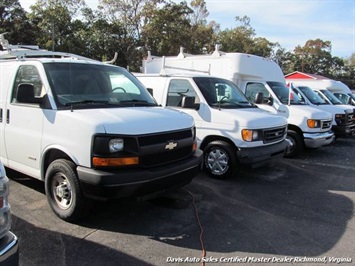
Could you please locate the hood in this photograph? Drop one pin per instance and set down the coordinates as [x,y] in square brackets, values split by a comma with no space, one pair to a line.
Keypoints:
[252,118]
[309,112]
[336,109]
[132,120]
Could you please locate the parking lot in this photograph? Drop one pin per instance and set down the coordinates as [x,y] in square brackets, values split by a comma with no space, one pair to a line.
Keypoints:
[292,211]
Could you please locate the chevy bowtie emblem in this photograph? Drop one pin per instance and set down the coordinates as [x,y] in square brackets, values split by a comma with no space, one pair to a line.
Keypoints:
[170,145]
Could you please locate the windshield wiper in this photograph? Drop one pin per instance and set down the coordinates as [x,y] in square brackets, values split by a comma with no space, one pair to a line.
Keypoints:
[134,102]
[87,102]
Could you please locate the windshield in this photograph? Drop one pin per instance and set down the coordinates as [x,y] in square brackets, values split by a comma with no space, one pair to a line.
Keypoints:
[75,84]
[222,93]
[284,94]
[311,95]
[330,96]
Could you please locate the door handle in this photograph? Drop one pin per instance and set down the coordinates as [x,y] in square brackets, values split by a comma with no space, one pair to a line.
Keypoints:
[8,116]
[0,115]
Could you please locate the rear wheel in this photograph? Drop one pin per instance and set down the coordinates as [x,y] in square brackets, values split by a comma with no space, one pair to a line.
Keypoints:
[297,144]
[63,191]
[220,160]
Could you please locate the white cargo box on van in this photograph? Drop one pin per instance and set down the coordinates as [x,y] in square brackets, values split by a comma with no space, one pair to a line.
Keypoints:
[89,130]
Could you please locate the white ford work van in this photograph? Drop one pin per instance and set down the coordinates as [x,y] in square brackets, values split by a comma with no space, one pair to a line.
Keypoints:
[89,130]
[343,119]
[263,83]
[230,130]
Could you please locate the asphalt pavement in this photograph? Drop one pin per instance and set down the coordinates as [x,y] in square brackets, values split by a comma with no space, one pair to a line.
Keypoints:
[291,211]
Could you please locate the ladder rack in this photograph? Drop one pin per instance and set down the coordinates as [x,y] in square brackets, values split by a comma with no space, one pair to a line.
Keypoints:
[21,52]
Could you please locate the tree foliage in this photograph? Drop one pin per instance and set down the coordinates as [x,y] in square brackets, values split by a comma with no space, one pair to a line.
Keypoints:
[132,27]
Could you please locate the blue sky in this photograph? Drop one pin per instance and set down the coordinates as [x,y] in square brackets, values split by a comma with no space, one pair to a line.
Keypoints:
[288,22]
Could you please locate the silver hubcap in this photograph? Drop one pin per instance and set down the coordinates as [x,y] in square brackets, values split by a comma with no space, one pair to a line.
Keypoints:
[217,161]
[62,191]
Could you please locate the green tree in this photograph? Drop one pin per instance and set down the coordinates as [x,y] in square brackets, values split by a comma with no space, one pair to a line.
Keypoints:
[203,38]
[314,57]
[14,22]
[54,19]
[167,28]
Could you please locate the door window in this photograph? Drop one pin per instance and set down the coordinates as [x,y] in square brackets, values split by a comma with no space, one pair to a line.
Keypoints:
[253,88]
[178,88]
[28,74]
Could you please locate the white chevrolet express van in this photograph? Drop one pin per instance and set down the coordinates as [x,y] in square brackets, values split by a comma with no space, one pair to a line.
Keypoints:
[230,130]
[89,130]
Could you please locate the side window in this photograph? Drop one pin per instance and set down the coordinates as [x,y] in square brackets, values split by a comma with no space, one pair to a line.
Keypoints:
[298,93]
[253,88]
[27,74]
[177,89]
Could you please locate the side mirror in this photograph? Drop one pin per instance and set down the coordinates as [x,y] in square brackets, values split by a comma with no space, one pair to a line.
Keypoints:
[259,98]
[270,101]
[189,102]
[26,94]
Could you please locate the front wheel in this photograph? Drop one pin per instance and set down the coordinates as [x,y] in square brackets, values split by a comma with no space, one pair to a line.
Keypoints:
[297,144]
[63,191]
[220,160]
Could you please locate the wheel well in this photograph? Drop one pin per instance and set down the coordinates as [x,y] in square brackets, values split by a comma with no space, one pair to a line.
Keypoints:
[209,139]
[296,129]
[50,156]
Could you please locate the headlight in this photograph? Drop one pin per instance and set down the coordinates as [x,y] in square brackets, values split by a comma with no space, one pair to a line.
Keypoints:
[251,135]
[116,145]
[312,123]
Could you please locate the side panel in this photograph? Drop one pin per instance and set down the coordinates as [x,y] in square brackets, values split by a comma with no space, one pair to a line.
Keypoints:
[7,72]
[23,127]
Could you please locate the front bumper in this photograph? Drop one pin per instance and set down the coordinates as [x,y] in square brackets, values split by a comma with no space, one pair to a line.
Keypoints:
[9,250]
[101,184]
[316,140]
[344,130]
[258,156]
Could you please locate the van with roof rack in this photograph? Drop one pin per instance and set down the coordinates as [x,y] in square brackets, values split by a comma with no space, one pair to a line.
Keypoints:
[89,130]
[230,130]
[263,83]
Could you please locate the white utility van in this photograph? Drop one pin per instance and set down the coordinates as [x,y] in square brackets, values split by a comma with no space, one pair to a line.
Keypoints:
[263,83]
[320,84]
[230,130]
[343,120]
[89,130]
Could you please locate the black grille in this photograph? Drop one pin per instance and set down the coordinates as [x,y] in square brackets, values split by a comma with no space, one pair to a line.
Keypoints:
[274,134]
[166,157]
[154,149]
[162,138]
[326,124]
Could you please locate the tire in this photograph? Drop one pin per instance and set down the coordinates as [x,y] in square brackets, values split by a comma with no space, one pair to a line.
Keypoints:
[63,191]
[220,160]
[297,143]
